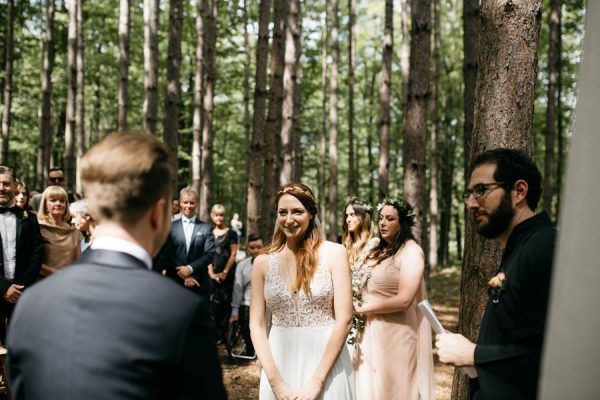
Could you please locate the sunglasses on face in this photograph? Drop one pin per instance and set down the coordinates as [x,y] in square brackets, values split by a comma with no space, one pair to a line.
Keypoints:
[58,179]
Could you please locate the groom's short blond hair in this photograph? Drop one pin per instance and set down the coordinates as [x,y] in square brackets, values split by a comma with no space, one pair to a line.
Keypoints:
[124,175]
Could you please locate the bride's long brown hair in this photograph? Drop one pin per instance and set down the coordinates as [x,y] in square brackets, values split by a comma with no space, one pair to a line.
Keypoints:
[307,259]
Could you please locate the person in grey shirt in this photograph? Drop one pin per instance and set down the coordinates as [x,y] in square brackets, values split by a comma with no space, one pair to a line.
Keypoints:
[240,302]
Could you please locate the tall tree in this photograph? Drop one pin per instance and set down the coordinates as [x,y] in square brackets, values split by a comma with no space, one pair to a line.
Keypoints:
[470,66]
[333,124]
[173,87]
[549,131]
[123,63]
[151,9]
[435,132]
[68,155]
[352,175]
[559,127]
[405,58]
[198,97]
[210,77]
[503,118]
[297,125]
[290,86]
[45,120]
[415,136]
[322,171]
[80,96]
[247,62]
[8,72]
[255,158]
[385,90]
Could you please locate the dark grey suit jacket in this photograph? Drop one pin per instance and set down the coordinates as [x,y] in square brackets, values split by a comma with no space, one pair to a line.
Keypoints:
[108,328]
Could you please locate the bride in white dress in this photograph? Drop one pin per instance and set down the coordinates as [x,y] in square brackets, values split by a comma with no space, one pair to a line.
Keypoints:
[304,356]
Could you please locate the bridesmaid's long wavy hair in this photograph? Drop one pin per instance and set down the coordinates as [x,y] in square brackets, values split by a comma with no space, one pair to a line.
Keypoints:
[407,221]
[307,259]
[355,242]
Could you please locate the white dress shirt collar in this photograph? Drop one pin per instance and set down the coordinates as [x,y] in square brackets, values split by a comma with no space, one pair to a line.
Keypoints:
[185,219]
[123,246]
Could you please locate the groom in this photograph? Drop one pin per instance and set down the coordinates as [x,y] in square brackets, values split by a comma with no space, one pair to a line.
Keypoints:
[503,192]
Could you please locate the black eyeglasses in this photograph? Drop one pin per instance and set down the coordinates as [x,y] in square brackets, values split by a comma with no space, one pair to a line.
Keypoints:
[480,190]
[57,179]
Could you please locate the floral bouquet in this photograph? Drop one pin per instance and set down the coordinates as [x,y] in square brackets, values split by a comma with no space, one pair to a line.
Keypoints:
[360,277]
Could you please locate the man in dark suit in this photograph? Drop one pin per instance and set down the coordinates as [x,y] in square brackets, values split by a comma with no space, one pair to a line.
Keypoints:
[503,192]
[189,248]
[21,249]
[108,327]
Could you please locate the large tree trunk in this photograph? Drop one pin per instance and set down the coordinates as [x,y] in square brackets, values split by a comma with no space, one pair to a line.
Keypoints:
[210,46]
[559,129]
[68,154]
[383,171]
[549,131]
[322,170]
[370,95]
[290,86]
[405,58]
[80,98]
[255,158]
[151,10]
[447,156]
[352,173]
[471,56]
[333,125]
[273,127]
[123,63]
[10,18]
[247,122]
[173,88]
[95,120]
[45,118]
[198,89]
[503,118]
[297,126]
[415,136]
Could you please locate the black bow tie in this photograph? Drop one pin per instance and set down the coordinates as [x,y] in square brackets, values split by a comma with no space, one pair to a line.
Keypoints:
[12,209]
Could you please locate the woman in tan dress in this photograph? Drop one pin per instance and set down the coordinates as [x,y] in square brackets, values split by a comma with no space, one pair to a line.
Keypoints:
[61,240]
[394,356]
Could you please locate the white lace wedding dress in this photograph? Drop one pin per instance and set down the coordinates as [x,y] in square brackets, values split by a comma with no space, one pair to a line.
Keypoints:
[300,331]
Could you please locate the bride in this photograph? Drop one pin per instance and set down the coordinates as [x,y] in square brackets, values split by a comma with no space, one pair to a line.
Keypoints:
[296,277]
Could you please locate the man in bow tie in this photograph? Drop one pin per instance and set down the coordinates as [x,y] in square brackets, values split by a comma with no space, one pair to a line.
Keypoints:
[21,249]
[189,248]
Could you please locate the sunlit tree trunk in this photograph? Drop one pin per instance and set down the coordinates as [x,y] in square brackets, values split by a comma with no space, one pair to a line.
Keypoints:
[383,170]
[123,63]
[246,91]
[333,125]
[151,10]
[471,56]
[80,97]
[198,88]
[68,151]
[322,170]
[297,126]
[8,74]
[352,173]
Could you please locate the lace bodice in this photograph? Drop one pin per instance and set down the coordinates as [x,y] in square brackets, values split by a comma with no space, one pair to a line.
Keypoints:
[295,310]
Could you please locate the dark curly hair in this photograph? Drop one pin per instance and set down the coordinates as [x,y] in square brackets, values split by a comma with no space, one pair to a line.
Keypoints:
[406,216]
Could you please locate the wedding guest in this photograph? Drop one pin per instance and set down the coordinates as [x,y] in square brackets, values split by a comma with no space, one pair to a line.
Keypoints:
[222,271]
[394,356]
[22,196]
[84,222]
[61,239]
[240,302]
[176,209]
[358,230]
[237,225]
[305,282]
[503,192]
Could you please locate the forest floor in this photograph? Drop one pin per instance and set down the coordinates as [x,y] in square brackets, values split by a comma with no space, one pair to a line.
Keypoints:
[242,377]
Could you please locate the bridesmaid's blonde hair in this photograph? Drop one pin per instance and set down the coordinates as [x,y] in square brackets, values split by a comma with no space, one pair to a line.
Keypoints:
[55,192]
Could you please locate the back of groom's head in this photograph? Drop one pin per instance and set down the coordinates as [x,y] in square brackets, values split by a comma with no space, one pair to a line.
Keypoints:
[124,175]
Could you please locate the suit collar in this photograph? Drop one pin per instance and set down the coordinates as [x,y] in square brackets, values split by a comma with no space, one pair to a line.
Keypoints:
[110,258]
[123,246]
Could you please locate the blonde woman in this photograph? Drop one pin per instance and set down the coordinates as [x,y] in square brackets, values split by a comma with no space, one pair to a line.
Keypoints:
[305,282]
[61,240]
[358,230]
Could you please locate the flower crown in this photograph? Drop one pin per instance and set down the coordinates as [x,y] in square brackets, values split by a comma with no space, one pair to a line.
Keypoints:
[294,188]
[405,210]
[365,205]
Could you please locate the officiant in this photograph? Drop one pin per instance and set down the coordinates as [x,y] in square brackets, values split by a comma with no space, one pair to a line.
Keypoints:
[502,195]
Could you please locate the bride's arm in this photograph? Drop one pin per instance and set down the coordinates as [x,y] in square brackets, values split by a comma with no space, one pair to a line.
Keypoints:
[258,329]
[342,305]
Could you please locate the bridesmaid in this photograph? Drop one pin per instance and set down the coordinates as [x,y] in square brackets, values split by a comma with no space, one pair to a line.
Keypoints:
[394,356]
[358,230]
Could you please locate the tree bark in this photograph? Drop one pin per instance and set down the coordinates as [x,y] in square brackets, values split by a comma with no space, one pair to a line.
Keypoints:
[447,159]
[415,136]
[370,95]
[383,170]
[352,175]
[559,129]
[297,126]
[405,58]
[470,66]
[8,74]
[255,159]
[333,125]
[503,117]
[198,96]
[151,10]
[173,88]
[210,53]
[549,131]
[247,122]
[80,97]
[68,154]
[123,63]
[322,170]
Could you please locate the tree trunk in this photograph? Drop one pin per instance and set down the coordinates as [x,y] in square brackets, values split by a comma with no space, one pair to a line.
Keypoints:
[255,159]
[10,18]
[405,58]
[447,151]
[370,95]
[503,118]
[290,86]
[415,136]
[151,10]
[470,65]
[559,129]
[123,63]
[435,132]
[95,122]
[247,122]
[273,127]
[198,89]
[383,171]
[333,125]
[297,126]
[80,97]
[68,155]
[210,46]
[173,88]
[549,131]
[352,175]
[322,170]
